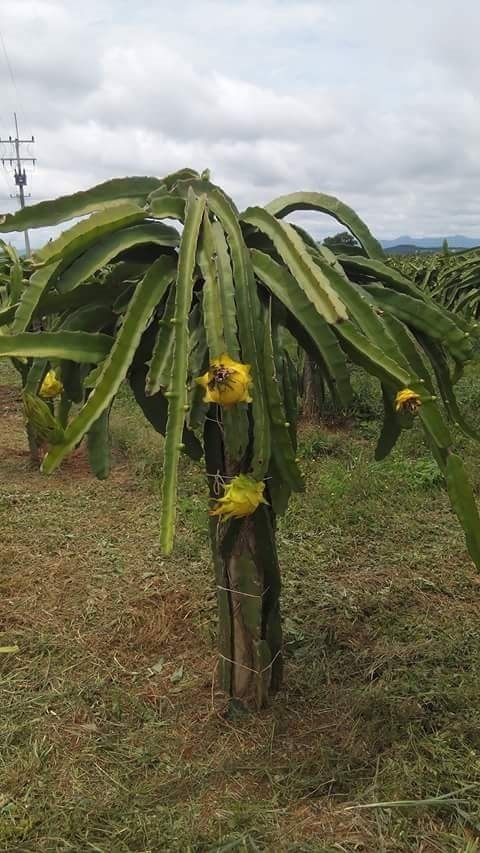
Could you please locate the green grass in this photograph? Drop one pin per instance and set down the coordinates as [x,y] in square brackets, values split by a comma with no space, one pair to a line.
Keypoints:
[112,735]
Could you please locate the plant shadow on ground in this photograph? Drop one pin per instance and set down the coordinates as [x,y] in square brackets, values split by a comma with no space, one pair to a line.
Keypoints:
[113,737]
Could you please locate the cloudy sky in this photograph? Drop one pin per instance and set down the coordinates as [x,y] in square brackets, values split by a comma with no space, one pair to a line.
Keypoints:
[375,101]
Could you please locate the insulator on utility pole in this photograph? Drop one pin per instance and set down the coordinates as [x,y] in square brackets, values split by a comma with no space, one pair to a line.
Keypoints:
[20,175]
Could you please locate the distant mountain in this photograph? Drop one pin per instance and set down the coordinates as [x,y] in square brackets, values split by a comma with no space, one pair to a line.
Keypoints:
[410,249]
[457,241]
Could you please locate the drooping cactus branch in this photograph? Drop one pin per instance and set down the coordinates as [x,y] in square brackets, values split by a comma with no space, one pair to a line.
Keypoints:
[203,321]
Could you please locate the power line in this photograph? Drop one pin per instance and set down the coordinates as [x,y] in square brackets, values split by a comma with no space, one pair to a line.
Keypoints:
[4,176]
[20,174]
[9,66]
[7,60]
[16,157]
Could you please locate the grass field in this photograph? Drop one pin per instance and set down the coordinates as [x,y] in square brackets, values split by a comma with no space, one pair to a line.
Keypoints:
[112,735]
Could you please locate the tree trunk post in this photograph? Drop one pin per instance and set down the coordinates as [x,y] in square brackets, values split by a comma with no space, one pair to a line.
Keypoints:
[247,575]
[312,392]
[248,592]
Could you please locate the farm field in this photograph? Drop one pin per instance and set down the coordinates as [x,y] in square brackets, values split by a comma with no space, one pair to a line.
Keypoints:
[240,428]
[113,736]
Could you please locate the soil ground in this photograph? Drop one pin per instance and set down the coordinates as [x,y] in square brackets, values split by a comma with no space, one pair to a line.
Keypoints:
[113,736]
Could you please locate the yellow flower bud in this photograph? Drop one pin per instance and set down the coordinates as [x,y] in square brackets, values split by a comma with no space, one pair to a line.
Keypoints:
[242,497]
[407,401]
[51,386]
[226,382]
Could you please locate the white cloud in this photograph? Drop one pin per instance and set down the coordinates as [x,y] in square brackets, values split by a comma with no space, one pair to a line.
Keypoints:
[372,101]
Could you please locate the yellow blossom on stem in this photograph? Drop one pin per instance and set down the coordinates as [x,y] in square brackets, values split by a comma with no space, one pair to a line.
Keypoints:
[226,382]
[407,401]
[242,497]
[51,386]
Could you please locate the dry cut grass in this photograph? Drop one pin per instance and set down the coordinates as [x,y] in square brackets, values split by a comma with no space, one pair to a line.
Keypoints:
[113,737]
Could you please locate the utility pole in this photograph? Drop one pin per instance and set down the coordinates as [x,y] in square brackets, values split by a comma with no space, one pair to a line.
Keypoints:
[20,174]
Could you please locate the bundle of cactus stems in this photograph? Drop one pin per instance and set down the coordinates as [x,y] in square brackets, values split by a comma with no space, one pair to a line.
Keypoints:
[456,282]
[451,278]
[200,317]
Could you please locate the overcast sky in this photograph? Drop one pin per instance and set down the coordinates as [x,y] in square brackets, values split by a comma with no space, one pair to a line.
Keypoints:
[375,101]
